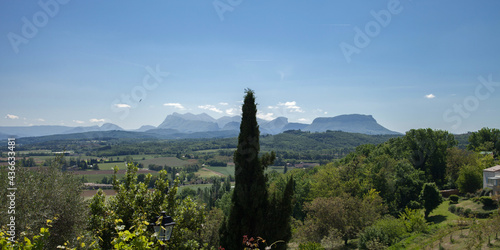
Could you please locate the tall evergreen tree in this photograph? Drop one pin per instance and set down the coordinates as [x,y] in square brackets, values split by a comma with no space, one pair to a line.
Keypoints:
[250,211]
[250,197]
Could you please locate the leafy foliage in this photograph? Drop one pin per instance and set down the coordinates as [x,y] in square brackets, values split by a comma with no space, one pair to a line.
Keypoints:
[470,179]
[427,151]
[454,198]
[121,221]
[346,215]
[456,160]
[38,242]
[414,220]
[486,139]
[386,231]
[45,194]
[431,198]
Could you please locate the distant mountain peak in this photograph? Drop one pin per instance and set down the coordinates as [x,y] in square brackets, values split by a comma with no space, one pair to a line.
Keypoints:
[354,123]
[110,126]
[189,123]
[192,117]
[144,128]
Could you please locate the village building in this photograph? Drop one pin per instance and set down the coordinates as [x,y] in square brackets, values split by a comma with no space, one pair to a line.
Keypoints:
[491,179]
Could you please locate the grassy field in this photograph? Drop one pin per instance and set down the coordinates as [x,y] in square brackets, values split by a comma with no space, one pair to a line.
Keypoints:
[162,161]
[96,178]
[229,170]
[205,173]
[278,169]
[226,171]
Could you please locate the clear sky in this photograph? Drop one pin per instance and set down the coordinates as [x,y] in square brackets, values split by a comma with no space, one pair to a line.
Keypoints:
[410,64]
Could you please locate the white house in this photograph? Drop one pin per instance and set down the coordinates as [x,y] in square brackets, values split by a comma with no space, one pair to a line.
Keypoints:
[491,179]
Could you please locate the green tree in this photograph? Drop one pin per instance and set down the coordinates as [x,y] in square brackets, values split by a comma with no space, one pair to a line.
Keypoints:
[427,151]
[45,194]
[250,205]
[332,180]
[455,160]
[486,139]
[124,215]
[430,197]
[470,179]
[345,216]
[408,184]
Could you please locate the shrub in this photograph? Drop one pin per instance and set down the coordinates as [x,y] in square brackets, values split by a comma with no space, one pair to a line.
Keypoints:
[454,199]
[386,231]
[487,201]
[469,196]
[486,191]
[414,205]
[430,197]
[452,208]
[414,220]
[483,214]
[467,212]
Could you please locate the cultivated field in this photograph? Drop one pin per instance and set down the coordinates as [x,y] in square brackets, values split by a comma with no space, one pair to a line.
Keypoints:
[165,161]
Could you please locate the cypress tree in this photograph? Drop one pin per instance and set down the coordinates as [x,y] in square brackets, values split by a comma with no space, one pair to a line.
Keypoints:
[280,216]
[250,197]
[251,212]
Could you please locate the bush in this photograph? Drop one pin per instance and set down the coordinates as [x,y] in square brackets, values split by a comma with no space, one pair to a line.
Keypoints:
[486,191]
[452,208]
[454,199]
[414,220]
[487,201]
[386,231]
[45,194]
[467,212]
[483,215]
[414,205]
[430,197]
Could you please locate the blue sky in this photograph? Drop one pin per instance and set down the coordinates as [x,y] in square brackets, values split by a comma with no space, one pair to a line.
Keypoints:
[410,64]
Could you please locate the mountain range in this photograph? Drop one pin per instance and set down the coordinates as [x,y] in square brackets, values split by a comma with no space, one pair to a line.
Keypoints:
[202,125]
